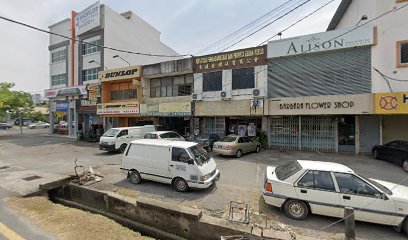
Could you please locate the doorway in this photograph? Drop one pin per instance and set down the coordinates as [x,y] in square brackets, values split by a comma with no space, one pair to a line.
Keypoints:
[346,133]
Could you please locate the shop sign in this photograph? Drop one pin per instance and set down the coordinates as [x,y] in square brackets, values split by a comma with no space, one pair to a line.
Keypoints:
[117,108]
[120,73]
[325,41]
[64,92]
[316,105]
[241,58]
[248,107]
[53,106]
[391,103]
[166,109]
[87,19]
[61,106]
[93,91]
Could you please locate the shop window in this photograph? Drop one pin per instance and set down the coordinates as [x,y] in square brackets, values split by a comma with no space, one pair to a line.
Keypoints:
[212,81]
[91,47]
[171,86]
[90,74]
[58,56]
[402,54]
[123,91]
[243,78]
[58,79]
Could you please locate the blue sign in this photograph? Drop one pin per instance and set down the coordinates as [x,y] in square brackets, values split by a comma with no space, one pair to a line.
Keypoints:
[61,106]
[90,119]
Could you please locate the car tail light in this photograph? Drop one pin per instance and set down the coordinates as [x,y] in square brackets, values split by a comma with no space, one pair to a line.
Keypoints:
[228,147]
[145,136]
[157,136]
[268,186]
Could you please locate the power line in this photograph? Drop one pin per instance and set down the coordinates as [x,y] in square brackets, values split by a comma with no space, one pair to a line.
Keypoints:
[300,20]
[93,44]
[244,27]
[263,27]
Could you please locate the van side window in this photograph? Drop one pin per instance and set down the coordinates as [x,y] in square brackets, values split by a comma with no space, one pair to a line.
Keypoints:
[179,155]
[123,133]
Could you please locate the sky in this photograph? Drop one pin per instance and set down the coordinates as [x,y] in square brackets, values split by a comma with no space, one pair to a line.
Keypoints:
[187,26]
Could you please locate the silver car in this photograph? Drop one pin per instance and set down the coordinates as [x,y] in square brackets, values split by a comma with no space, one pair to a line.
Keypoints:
[234,145]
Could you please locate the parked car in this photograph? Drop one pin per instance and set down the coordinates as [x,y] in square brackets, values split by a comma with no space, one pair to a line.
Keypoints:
[39,125]
[182,164]
[167,135]
[5,125]
[302,187]
[117,139]
[234,145]
[395,152]
[206,140]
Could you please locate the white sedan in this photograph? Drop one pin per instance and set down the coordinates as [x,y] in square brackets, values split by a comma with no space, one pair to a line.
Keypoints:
[302,187]
[39,125]
[167,135]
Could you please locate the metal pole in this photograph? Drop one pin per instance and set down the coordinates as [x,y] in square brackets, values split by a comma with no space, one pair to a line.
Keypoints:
[350,225]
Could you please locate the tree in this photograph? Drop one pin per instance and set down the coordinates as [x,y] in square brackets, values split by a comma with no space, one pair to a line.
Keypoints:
[17,102]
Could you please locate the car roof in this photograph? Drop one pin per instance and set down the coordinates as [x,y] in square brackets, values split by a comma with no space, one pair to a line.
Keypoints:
[160,132]
[324,166]
[164,143]
[134,127]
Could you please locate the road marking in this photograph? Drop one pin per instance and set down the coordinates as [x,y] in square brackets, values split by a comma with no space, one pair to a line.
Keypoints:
[8,233]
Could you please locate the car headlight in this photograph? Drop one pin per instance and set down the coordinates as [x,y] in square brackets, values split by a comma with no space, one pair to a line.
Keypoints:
[204,178]
[111,143]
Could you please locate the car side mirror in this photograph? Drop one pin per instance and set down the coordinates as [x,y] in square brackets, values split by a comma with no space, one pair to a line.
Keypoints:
[384,197]
[190,161]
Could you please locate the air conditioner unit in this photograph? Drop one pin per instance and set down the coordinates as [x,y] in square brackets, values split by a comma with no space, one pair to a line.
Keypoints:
[226,95]
[258,93]
[197,96]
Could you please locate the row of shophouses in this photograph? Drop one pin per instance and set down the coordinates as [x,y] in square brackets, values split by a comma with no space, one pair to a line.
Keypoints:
[334,91]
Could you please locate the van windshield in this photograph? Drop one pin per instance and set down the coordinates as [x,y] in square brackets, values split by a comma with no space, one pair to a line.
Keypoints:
[111,132]
[200,155]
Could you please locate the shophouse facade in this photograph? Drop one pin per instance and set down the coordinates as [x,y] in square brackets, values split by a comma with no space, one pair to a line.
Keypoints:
[74,65]
[167,90]
[389,59]
[229,92]
[319,89]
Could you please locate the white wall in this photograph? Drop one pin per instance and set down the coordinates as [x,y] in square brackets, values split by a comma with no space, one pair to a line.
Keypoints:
[261,81]
[390,28]
[63,27]
[135,35]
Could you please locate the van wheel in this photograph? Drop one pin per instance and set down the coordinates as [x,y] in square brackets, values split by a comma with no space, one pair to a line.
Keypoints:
[238,154]
[134,176]
[122,148]
[180,185]
[296,209]
[405,165]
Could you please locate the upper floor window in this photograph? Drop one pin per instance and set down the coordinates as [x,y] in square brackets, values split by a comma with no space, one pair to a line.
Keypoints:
[91,47]
[171,86]
[212,81]
[123,91]
[402,54]
[243,78]
[90,74]
[58,56]
[58,79]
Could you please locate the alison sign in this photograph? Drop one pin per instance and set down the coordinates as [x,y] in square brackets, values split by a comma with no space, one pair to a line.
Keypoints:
[326,41]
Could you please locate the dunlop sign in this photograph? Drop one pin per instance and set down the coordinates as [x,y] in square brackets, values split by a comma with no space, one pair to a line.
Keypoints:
[391,103]
[242,58]
[120,73]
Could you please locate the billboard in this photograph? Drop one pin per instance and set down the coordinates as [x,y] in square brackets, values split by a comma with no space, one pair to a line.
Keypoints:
[391,103]
[88,19]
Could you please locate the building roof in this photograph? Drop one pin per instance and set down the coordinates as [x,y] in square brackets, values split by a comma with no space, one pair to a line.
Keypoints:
[59,22]
[164,143]
[324,166]
[341,10]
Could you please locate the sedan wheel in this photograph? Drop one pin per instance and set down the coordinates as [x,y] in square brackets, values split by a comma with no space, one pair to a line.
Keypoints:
[296,209]
[258,149]
[405,165]
[238,154]
[375,154]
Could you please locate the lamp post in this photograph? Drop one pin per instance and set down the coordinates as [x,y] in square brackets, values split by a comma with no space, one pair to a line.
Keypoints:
[117,56]
[363,18]
[93,61]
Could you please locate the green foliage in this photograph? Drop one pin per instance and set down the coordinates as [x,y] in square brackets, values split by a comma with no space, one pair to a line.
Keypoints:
[261,137]
[36,116]
[18,102]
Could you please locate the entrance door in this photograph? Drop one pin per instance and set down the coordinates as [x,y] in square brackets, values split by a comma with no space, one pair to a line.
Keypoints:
[369,132]
[346,134]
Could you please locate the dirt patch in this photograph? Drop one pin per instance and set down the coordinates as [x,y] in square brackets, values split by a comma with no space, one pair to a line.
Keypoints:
[71,223]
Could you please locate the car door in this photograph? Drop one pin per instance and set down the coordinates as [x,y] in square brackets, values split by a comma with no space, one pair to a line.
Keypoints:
[368,202]
[122,138]
[318,189]
[179,165]
[390,151]
[241,144]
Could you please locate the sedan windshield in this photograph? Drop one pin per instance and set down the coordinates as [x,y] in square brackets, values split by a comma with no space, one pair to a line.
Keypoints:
[111,133]
[200,155]
[228,139]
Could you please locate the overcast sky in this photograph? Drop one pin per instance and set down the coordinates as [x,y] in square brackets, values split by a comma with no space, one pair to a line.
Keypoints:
[187,26]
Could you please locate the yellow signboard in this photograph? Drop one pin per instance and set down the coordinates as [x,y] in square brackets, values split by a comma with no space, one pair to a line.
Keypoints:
[120,73]
[247,107]
[391,103]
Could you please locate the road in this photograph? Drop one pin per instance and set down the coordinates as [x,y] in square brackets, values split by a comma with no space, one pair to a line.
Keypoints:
[37,153]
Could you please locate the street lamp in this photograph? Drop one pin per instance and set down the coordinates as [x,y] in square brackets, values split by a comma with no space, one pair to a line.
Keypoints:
[117,56]
[93,61]
[363,18]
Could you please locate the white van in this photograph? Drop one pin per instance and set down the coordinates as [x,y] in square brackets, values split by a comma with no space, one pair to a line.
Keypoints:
[117,139]
[182,164]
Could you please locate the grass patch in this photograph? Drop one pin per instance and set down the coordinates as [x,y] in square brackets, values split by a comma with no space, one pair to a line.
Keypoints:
[71,223]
